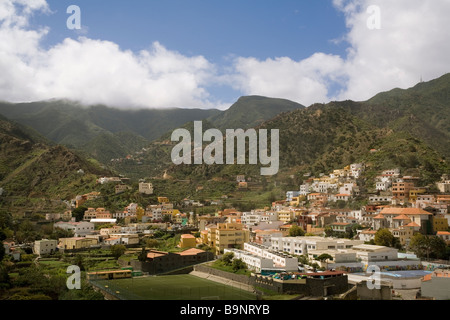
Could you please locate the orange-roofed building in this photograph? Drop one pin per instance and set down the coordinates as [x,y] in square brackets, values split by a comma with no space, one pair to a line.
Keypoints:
[417,215]
[400,190]
[400,221]
[436,285]
[379,222]
[414,226]
[444,235]
[190,252]
[443,199]
[160,261]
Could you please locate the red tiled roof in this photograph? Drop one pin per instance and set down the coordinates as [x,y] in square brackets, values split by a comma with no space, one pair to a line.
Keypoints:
[406,211]
[427,277]
[402,217]
[412,224]
[190,252]
[155,254]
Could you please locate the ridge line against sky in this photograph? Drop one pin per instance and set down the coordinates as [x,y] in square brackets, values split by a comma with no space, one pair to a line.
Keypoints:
[197,54]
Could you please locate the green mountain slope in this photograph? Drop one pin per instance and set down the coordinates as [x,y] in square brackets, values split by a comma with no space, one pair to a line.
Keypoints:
[99,130]
[29,167]
[409,128]
[423,111]
[251,111]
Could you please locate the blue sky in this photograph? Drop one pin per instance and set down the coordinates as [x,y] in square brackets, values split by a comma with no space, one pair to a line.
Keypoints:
[206,54]
[214,29]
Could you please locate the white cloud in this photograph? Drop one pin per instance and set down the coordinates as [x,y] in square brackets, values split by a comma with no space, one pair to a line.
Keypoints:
[305,81]
[413,41]
[94,71]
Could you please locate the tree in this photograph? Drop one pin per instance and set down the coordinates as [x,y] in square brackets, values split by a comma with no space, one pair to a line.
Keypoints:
[118,250]
[227,258]
[78,213]
[324,257]
[60,233]
[383,237]
[238,264]
[315,266]
[142,257]
[426,246]
[5,280]
[6,220]
[2,251]
[152,243]
[79,261]
[296,231]
[328,231]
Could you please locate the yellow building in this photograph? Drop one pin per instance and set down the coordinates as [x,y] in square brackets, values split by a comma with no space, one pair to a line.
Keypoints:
[163,199]
[204,237]
[76,243]
[211,237]
[413,193]
[440,223]
[404,234]
[296,201]
[226,235]
[285,216]
[140,213]
[187,241]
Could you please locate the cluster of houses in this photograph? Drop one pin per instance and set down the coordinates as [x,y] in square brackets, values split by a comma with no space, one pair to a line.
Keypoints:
[398,204]
[261,237]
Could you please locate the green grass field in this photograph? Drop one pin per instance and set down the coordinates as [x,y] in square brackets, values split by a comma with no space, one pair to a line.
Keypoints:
[174,287]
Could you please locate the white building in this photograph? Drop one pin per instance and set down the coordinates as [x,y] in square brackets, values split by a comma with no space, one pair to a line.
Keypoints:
[79,229]
[392,172]
[127,239]
[252,261]
[301,245]
[45,246]
[366,235]
[425,200]
[250,218]
[347,188]
[291,194]
[279,260]
[305,189]
[119,215]
[371,253]
[356,169]
[145,188]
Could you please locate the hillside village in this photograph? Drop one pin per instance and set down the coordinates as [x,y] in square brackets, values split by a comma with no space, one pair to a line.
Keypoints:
[328,228]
